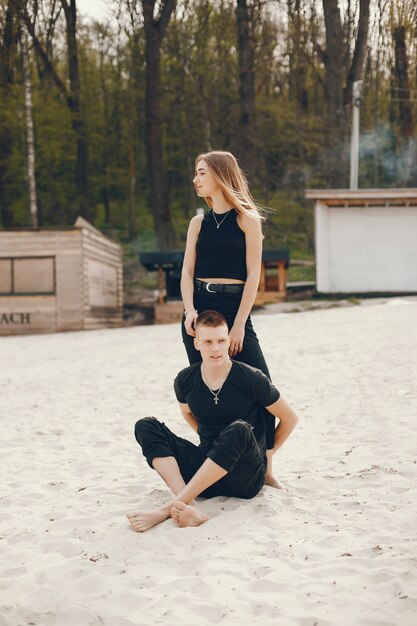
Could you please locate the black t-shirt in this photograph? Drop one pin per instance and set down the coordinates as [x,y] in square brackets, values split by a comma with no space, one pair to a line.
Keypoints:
[244,395]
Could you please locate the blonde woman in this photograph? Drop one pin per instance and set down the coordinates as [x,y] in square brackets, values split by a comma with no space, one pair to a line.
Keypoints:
[222,261]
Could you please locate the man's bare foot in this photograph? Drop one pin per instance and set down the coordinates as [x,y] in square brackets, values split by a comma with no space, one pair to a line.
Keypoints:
[186,515]
[271,481]
[144,520]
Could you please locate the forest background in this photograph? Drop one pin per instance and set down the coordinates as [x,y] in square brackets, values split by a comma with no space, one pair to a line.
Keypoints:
[104,117]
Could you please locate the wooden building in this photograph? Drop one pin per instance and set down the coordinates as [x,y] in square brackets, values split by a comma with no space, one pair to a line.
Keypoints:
[58,280]
[366,240]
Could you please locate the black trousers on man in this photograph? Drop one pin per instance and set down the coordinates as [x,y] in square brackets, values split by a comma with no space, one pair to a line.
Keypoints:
[235,450]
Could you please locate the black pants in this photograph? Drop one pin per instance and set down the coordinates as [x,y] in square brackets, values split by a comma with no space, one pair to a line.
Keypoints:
[228,304]
[235,450]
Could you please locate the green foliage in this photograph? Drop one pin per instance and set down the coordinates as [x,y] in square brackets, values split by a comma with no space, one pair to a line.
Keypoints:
[200,111]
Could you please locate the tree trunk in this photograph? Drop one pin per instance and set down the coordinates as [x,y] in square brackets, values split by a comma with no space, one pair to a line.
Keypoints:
[132,204]
[106,153]
[334,89]
[298,77]
[8,47]
[154,33]
[340,76]
[403,83]
[359,55]
[74,103]
[30,136]
[246,60]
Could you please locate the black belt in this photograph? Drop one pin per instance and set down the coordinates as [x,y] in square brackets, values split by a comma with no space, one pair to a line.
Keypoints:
[200,285]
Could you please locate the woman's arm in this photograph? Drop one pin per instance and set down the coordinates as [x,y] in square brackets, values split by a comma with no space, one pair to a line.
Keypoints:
[187,274]
[253,235]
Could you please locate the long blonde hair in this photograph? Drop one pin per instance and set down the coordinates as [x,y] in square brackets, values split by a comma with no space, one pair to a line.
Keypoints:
[232,182]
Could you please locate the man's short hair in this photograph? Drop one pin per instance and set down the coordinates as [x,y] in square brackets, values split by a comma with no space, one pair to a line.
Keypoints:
[212,319]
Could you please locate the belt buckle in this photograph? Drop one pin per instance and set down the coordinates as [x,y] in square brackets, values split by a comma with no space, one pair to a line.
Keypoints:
[209,290]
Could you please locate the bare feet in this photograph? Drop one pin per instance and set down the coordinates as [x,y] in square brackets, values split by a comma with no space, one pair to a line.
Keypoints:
[144,520]
[186,515]
[271,481]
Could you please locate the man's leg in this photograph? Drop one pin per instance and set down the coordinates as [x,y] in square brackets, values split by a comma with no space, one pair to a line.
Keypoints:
[156,439]
[208,474]
[168,469]
[235,467]
[236,443]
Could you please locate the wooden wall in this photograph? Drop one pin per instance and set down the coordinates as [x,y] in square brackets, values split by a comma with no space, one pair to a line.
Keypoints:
[103,278]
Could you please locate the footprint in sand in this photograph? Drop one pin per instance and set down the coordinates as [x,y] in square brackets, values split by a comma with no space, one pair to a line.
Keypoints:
[13,572]
[66,548]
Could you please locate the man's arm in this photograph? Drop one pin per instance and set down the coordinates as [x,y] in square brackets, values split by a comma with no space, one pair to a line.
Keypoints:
[188,416]
[288,419]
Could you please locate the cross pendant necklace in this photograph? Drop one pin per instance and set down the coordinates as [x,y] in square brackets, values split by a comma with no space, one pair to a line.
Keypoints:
[215,393]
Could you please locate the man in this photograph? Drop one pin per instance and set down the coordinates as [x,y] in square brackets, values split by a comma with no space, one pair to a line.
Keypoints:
[223,401]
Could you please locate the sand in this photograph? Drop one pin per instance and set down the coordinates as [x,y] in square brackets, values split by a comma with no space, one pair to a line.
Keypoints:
[339,548]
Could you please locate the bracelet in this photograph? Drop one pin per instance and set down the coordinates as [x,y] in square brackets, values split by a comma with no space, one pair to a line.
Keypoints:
[191,309]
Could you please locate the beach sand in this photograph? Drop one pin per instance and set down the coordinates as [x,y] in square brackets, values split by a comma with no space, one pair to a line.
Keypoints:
[339,548]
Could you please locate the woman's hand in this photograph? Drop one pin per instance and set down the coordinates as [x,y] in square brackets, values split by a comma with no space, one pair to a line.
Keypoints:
[236,335]
[190,318]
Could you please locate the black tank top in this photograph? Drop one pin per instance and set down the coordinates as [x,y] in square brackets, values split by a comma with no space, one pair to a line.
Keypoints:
[221,252]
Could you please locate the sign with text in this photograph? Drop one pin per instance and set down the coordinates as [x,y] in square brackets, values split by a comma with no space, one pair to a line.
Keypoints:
[14,318]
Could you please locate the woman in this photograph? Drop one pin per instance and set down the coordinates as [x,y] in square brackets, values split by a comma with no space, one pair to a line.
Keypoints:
[222,261]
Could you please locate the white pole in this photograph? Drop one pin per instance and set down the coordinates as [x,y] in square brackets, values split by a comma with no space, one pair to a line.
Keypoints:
[354,145]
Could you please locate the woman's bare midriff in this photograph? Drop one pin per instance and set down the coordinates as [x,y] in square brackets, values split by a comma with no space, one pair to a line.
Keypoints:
[222,281]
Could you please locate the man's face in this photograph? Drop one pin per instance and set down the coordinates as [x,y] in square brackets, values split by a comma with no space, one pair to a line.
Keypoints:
[213,344]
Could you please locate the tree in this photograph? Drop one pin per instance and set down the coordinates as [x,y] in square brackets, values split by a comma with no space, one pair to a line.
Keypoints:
[339,78]
[8,53]
[402,82]
[72,95]
[246,16]
[155,29]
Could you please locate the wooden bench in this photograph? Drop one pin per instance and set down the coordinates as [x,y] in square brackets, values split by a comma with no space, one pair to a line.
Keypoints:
[273,281]
[168,264]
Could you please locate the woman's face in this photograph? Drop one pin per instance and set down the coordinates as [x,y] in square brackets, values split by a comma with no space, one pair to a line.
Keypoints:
[204,182]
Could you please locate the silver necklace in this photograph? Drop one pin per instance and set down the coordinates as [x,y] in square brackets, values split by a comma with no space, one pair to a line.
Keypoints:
[221,222]
[215,393]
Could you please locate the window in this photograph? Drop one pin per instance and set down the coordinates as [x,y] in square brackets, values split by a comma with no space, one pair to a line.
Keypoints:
[27,276]
[5,275]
